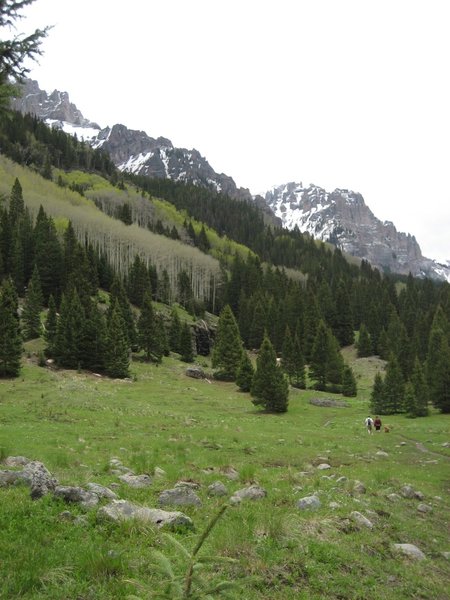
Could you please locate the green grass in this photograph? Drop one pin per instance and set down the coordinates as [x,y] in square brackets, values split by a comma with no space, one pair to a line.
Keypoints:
[76,422]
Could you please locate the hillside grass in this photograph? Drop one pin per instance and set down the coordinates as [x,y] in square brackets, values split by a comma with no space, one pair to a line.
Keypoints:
[76,422]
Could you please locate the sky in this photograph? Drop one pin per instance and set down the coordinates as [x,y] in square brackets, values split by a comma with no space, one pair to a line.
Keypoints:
[350,94]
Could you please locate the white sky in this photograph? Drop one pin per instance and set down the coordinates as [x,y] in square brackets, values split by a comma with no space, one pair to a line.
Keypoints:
[340,93]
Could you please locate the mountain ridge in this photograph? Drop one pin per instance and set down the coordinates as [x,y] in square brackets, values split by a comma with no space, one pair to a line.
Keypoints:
[340,217]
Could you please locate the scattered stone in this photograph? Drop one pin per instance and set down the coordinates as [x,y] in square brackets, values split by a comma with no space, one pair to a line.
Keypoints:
[235,500]
[382,453]
[195,372]
[159,472]
[328,402]
[101,491]
[136,481]
[341,479]
[402,443]
[329,477]
[418,495]
[407,491]
[121,510]
[230,473]
[187,484]
[76,495]
[410,550]
[334,505]
[446,445]
[115,462]
[12,478]
[323,466]
[309,503]
[181,496]
[16,461]
[393,497]
[217,489]
[66,515]
[253,492]
[361,519]
[40,479]
[424,508]
[359,487]
[446,555]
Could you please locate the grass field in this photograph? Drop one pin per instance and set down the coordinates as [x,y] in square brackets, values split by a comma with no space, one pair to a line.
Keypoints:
[192,429]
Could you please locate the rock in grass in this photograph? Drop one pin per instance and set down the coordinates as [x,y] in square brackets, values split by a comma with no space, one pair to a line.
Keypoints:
[121,510]
[217,489]
[180,496]
[361,520]
[16,461]
[253,492]
[410,550]
[136,481]
[309,503]
[101,491]
[359,488]
[76,495]
[40,479]
[12,478]
[323,467]
[424,508]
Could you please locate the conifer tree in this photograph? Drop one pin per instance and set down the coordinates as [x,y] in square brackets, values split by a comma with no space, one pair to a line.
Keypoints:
[288,355]
[349,387]
[118,293]
[186,350]
[16,203]
[410,401]
[377,403]
[299,380]
[48,255]
[93,340]
[50,327]
[420,389]
[10,338]
[440,383]
[245,373]
[364,344]
[174,330]
[150,335]
[31,315]
[118,349]
[202,241]
[67,347]
[138,282]
[343,320]
[227,351]
[257,327]
[394,387]
[269,388]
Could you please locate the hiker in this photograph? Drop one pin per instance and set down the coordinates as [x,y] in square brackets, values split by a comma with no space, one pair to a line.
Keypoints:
[377,424]
[369,423]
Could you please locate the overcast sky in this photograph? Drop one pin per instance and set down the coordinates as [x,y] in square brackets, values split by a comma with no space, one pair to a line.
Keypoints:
[340,93]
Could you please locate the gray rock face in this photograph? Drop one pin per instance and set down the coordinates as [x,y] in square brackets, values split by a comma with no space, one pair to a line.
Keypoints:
[424,508]
[342,218]
[12,478]
[195,372]
[359,488]
[361,519]
[253,492]
[217,489]
[101,491]
[323,467]
[121,510]
[16,461]
[309,503]
[410,550]
[40,479]
[136,481]
[77,495]
[181,496]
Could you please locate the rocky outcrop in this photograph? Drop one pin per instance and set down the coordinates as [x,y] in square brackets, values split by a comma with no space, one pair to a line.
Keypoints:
[343,219]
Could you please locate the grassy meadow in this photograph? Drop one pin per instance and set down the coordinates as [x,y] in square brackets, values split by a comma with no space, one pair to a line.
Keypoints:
[75,423]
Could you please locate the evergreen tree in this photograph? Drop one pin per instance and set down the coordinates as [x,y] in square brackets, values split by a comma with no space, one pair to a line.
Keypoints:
[227,351]
[185,294]
[50,327]
[31,315]
[16,203]
[138,282]
[48,255]
[288,355]
[186,350]
[394,387]
[149,334]
[269,387]
[343,321]
[364,343]
[410,401]
[349,387]
[440,383]
[69,331]
[93,340]
[420,389]
[118,293]
[174,330]
[245,373]
[299,380]
[257,327]
[202,241]
[10,338]
[164,293]
[118,349]
[377,402]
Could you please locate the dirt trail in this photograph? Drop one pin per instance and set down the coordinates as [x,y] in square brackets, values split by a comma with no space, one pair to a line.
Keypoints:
[425,450]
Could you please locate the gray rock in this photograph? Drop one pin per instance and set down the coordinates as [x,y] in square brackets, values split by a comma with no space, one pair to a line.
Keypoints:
[361,519]
[381,453]
[40,479]
[341,479]
[136,481]
[121,510]
[446,555]
[195,372]
[407,491]
[418,495]
[402,443]
[12,478]
[359,487]
[323,467]
[76,495]
[101,491]
[424,508]
[410,550]
[217,489]
[309,503]
[181,496]
[159,472]
[393,497]
[334,505]
[446,445]
[16,461]
[229,473]
[253,492]
[187,484]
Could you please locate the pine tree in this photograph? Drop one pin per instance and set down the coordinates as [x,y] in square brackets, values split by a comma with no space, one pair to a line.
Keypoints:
[93,340]
[186,350]
[118,349]
[364,343]
[245,373]
[299,380]
[67,347]
[50,327]
[343,321]
[410,401]
[118,293]
[394,387]
[48,255]
[440,383]
[288,355]
[349,387]
[10,338]
[149,331]
[377,402]
[16,203]
[227,351]
[420,389]
[269,387]
[257,327]
[174,330]
[31,315]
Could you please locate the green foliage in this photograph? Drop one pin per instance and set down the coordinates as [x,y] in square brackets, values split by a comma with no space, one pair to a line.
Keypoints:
[118,349]
[269,389]
[245,373]
[349,382]
[31,315]
[186,349]
[227,351]
[364,344]
[10,338]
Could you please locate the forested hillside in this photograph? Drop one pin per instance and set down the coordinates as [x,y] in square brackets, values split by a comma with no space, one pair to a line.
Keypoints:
[159,240]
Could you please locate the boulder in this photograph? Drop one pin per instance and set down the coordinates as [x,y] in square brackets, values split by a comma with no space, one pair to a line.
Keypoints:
[12,478]
[40,479]
[195,372]
[359,488]
[16,461]
[309,503]
[121,510]
[323,467]
[179,496]
[76,495]
[361,520]
[136,481]
[410,550]
[217,489]
[101,491]
[253,492]
[424,508]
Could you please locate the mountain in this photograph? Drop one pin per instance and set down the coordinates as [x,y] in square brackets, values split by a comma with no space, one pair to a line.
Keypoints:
[342,218]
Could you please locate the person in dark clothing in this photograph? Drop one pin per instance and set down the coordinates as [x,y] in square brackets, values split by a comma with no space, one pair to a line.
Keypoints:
[377,423]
